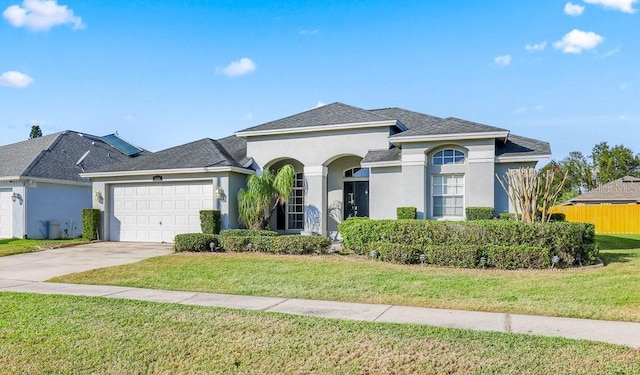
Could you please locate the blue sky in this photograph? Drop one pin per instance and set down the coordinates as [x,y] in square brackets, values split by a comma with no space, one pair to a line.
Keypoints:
[167,73]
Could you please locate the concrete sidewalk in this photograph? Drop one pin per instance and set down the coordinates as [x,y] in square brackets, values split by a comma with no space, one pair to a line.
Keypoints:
[622,333]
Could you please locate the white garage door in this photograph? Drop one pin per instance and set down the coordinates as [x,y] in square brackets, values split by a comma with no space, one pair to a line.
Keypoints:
[6,214]
[156,212]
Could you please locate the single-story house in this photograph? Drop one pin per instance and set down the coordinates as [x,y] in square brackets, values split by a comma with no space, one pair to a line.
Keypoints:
[349,161]
[41,192]
[625,190]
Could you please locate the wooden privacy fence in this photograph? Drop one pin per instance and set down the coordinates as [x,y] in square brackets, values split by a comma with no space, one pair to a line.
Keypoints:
[608,218]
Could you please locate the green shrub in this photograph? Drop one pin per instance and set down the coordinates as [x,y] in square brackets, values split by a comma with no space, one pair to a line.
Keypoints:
[407,213]
[247,232]
[276,245]
[513,257]
[196,242]
[463,256]
[479,213]
[396,253]
[567,240]
[210,221]
[90,223]
[507,216]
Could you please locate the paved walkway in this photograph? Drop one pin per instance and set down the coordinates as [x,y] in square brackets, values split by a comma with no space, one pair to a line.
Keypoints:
[622,333]
[27,272]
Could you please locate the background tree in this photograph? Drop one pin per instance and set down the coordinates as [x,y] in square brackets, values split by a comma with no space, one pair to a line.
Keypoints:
[263,194]
[611,163]
[35,132]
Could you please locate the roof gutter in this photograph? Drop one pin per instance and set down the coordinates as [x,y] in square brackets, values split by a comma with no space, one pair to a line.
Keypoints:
[399,139]
[166,172]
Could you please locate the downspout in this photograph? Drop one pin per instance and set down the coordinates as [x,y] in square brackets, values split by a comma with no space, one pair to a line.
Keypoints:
[24,213]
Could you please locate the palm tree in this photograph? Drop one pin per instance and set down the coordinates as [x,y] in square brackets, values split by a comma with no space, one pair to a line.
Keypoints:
[263,194]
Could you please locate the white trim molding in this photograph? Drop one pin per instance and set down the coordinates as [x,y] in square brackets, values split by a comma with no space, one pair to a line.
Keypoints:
[320,128]
[448,137]
[165,172]
[315,171]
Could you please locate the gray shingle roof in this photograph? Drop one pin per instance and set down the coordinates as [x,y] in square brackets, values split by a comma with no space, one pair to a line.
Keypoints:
[198,154]
[236,147]
[330,114]
[450,125]
[522,146]
[377,156]
[54,156]
[409,119]
[622,190]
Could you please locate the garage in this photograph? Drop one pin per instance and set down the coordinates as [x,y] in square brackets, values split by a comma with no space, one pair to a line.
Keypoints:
[156,212]
[6,214]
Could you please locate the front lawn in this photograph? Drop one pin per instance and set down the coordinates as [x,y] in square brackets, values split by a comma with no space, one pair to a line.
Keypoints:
[609,292]
[12,246]
[46,334]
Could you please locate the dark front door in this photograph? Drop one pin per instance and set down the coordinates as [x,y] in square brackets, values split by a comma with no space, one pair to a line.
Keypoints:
[356,198]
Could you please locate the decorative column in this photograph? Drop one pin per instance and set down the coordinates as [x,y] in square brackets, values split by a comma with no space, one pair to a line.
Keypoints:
[315,200]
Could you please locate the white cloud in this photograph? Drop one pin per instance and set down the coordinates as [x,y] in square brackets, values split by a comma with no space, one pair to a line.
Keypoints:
[247,117]
[41,15]
[320,104]
[238,68]
[503,60]
[621,5]
[15,79]
[536,47]
[573,9]
[577,41]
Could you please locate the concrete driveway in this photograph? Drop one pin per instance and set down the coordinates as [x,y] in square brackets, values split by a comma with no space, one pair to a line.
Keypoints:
[43,265]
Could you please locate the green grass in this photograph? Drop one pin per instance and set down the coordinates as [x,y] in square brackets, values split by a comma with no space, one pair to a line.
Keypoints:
[14,246]
[66,335]
[610,292]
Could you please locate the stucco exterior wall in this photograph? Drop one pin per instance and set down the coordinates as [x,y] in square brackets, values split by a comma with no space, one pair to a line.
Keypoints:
[229,181]
[418,171]
[385,196]
[62,203]
[501,199]
[315,149]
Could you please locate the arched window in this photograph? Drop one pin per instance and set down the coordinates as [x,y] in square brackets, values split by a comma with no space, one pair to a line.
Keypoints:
[357,173]
[448,156]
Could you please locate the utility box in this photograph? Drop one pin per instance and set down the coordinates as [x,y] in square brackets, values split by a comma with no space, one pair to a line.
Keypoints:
[54,229]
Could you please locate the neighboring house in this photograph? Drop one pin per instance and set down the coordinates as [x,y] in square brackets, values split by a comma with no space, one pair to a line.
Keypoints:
[613,207]
[40,185]
[625,190]
[349,162]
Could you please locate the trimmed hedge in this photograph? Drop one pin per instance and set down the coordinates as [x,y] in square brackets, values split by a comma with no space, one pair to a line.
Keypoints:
[247,232]
[407,213]
[507,216]
[210,221]
[196,242]
[295,244]
[396,253]
[567,240]
[465,256]
[513,257]
[479,213]
[90,223]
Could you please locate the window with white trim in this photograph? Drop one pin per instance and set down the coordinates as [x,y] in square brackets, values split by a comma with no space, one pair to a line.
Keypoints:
[448,195]
[295,206]
[449,156]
